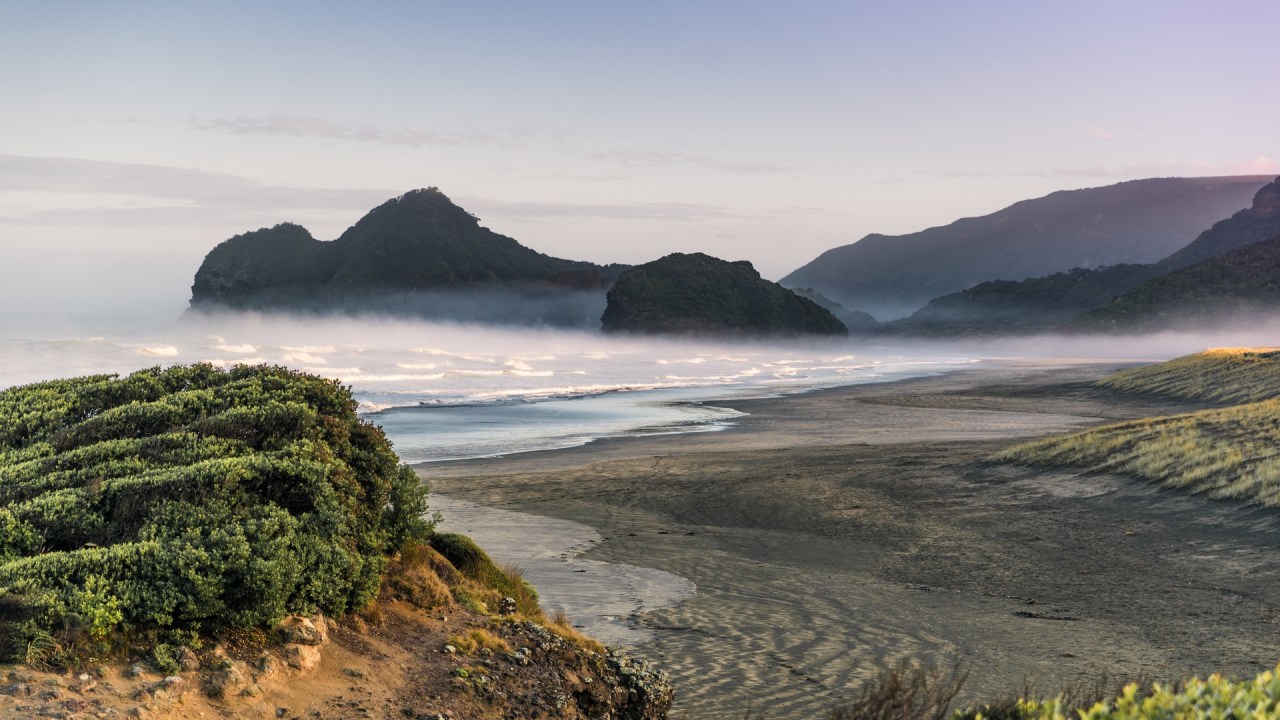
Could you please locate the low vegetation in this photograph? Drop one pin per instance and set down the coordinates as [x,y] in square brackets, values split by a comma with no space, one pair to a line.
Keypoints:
[913,693]
[1227,453]
[168,503]
[1231,452]
[1226,375]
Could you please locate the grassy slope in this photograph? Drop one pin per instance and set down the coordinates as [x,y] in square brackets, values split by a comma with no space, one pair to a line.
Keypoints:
[1228,375]
[1231,452]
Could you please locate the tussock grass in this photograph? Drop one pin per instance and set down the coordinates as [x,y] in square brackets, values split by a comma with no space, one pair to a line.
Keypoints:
[1227,375]
[478,639]
[1230,453]
[905,692]
[1226,453]
[560,625]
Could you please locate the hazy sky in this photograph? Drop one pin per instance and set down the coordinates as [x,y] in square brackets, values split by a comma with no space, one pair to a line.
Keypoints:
[134,136]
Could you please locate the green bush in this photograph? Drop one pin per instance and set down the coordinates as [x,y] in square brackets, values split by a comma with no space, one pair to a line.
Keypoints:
[190,499]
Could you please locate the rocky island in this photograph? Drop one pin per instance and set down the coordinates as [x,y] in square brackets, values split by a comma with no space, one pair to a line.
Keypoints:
[417,255]
[696,294]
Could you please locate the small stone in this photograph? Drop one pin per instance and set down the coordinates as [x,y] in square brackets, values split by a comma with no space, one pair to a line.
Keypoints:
[251,690]
[301,657]
[449,650]
[301,631]
[134,671]
[17,689]
[282,711]
[137,712]
[353,672]
[507,606]
[187,659]
[83,677]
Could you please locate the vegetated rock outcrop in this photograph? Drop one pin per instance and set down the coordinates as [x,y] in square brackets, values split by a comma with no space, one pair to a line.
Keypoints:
[696,294]
[1051,302]
[1140,221]
[418,254]
[250,547]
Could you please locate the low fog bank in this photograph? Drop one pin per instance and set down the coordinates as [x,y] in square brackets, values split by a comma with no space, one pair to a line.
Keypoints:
[1156,346]
[526,305]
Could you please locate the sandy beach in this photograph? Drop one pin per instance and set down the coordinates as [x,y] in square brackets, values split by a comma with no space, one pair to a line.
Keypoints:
[830,534]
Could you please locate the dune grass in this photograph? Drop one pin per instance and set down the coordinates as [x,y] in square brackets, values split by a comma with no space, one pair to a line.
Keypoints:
[1227,375]
[1231,452]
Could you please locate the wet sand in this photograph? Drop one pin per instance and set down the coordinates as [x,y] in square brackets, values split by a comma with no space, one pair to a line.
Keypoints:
[833,533]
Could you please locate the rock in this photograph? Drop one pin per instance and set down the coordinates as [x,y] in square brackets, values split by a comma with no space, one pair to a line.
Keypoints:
[187,659]
[322,626]
[301,631]
[251,690]
[225,682]
[218,658]
[303,658]
[449,650]
[172,681]
[19,677]
[264,666]
[507,606]
[137,712]
[134,671]
[17,689]
[353,672]
[282,711]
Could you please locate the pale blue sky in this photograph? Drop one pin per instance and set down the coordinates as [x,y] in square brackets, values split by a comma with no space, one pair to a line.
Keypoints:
[139,134]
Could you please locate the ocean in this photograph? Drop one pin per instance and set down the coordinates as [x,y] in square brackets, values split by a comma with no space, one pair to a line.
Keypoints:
[449,392]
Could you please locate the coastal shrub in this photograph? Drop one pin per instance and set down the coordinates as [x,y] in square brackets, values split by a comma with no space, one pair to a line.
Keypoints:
[1214,697]
[190,499]
[918,693]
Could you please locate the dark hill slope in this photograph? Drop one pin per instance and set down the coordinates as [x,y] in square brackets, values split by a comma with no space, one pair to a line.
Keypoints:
[1140,221]
[1260,221]
[1005,307]
[700,294]
[416,254]
[1242,285]
[1044,303]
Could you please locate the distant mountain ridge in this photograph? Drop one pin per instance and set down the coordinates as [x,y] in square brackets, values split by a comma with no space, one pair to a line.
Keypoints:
[696,294]
[1122,297]
[415,254]
[1140,221]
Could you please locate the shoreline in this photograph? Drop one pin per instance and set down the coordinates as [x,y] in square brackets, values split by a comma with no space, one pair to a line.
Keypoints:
[832,533]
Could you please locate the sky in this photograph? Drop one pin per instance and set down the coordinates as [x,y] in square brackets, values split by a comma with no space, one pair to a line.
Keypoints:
[135,136]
